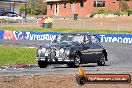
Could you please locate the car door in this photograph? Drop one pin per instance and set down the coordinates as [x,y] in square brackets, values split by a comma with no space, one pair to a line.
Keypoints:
[87,52]
[15,17]
[97,47]
[91,51]
[12,16]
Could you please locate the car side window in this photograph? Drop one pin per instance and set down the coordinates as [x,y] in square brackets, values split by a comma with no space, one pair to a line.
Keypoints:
[79,38]
[94,39]
[3,14]
[11,15]
[87,39]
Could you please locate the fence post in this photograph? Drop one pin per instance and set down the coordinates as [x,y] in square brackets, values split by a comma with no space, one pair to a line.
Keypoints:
[84,25]
[118,27]
[101,24]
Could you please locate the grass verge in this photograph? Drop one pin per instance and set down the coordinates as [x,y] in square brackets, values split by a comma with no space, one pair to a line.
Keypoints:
[65,30]
[16,55]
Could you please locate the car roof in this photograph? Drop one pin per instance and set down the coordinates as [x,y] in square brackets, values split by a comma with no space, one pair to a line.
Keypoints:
[10,12]
[75,33]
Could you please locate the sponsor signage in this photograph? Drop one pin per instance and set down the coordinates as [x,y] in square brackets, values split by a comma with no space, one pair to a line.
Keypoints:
[103,78]
[20,35]
[1,34]
[50,36]
[120,38]
[83,78]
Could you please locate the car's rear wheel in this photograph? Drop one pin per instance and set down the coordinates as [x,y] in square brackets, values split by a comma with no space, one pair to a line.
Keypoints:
[101,61]
[76,62]
[42,64]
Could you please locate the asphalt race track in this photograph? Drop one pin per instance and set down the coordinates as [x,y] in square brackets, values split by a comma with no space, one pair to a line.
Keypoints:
[119,55]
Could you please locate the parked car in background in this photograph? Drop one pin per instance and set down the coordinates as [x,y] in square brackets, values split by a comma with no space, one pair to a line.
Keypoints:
[10,16]
[72,49]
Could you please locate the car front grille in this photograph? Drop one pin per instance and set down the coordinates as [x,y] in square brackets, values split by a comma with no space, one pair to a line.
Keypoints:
[52,54]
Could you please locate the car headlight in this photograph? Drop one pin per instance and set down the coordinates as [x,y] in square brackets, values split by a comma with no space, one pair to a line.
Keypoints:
[67,52]
[39,51]
[43,50]
[62,50]
[57,53]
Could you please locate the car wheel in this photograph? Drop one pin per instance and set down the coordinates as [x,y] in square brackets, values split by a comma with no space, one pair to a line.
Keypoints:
[42,64]
[18,20]
[81,80]
[76,62]
[102,61]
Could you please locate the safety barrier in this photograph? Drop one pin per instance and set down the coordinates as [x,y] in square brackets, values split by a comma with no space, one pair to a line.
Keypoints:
[29,35]
[120,38]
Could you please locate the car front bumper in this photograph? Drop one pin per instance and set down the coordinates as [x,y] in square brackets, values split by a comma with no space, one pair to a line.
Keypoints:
[54,60]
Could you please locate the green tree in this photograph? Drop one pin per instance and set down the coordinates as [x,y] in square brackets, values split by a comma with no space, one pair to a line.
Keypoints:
[103,11]
[35,7]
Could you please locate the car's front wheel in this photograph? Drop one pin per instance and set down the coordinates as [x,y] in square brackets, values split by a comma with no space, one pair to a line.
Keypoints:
[101,61]
[76,62]
[42,64]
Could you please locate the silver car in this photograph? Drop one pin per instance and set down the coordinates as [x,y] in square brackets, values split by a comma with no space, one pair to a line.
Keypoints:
[11,16]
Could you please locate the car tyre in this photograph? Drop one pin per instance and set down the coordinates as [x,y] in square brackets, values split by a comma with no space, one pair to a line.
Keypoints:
[76,62]
[81,80]
[42,64]
[102,61]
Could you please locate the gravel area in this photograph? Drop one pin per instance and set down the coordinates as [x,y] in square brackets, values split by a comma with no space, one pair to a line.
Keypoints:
[52,81]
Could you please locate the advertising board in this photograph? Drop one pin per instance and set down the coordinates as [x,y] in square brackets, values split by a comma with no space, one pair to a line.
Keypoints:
[20,35]
[120,38]
[28,35]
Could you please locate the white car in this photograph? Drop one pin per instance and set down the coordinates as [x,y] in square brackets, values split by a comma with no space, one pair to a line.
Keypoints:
[11,16]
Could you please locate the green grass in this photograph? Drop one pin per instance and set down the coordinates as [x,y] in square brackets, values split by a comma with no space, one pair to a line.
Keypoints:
[65,30]
[16,55]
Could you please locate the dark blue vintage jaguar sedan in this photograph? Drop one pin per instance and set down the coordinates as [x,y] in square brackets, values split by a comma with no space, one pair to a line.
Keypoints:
[72,49]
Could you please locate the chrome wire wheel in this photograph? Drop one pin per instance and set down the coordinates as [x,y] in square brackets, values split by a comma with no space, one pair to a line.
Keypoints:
[102,61]
[77,60]
[76,63]
[42,64]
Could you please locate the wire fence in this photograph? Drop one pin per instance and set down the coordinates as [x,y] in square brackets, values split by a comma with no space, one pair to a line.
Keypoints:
[75,24]
[84,24]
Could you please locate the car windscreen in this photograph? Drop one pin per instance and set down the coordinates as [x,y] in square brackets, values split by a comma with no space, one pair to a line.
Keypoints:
[70,39]
[3,14]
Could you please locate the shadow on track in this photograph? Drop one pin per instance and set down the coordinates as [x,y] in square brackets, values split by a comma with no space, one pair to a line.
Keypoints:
[85,66]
